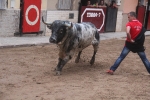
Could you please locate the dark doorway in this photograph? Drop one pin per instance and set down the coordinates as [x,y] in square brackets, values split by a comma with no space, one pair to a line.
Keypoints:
[111,18]
[21,13]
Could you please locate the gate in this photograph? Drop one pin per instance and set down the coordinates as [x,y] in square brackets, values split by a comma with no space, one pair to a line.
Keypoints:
[143,15]
[111,18]
[30,16]
[147,22]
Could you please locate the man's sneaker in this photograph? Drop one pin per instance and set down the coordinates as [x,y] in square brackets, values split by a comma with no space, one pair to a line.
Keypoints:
[111,72]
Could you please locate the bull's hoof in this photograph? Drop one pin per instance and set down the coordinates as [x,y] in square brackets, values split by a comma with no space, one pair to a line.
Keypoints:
[77,61]
[55,69]
[58,73]
[92,62]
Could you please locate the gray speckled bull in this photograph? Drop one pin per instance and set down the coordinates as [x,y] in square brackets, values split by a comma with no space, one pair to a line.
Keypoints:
[72,37]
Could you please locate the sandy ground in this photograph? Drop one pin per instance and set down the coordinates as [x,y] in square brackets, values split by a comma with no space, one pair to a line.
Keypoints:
[26,73]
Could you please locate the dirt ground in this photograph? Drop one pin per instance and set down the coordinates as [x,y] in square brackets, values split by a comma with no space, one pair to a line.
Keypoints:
[26,73]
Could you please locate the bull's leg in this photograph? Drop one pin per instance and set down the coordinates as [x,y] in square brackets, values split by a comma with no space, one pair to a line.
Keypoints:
[93,58]
[78,57]
[95,51]
[61,64]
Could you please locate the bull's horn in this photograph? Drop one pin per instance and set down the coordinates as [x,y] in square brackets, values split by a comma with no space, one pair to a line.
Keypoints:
[45,22]
[68,24]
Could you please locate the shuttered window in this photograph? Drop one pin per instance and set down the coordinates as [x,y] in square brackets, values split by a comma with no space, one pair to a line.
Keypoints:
[2,4]
[64,4]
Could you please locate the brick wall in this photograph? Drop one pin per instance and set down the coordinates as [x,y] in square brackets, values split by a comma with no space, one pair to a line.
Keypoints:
[9,22]
[60,15]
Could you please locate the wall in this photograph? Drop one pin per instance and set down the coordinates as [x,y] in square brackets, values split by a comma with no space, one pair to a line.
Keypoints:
[119,21]
[60,15]
[125,7]
[44,4]
[76,4]
[10,18]
[54,14]
[52,4]
[9,22]
[124,21]
[128,5]
[16,5]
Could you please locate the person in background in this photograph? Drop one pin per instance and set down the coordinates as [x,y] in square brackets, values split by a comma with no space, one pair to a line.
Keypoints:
[96,4]
[134,42]
[113,4]
[102,4]
[89,4]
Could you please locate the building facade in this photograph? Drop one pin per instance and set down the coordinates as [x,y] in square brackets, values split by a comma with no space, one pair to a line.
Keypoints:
[10,16]
[62,9]
[10,13]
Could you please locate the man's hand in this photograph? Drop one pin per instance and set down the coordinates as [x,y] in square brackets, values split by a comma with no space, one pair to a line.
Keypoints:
[132,41]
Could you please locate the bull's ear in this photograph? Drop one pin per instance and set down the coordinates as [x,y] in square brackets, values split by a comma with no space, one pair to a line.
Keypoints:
[49,26]
[68,24]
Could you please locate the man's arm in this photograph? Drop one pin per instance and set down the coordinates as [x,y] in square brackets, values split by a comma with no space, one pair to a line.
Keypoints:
[128,33]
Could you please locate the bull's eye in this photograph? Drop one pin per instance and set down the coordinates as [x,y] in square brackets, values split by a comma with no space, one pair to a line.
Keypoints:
[49,26]
[61,30]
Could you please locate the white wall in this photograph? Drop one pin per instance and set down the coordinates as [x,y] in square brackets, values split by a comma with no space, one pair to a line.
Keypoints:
[17,4]
[60,15]
[119,21]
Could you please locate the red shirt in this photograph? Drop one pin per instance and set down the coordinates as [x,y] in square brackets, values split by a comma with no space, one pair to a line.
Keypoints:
[135,28]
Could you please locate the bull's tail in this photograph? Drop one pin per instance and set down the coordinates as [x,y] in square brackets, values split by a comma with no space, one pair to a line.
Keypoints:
[97,36]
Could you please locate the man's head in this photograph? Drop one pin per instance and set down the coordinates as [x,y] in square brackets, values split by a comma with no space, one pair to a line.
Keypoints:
[102,2]
[89,3]
[113,2]
[131,16]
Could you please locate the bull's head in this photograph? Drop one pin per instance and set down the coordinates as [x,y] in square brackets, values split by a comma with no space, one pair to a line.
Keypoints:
[59,30]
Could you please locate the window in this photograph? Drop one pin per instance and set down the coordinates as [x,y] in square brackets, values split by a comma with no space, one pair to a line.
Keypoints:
[64,4]
[142,2]
[2,4]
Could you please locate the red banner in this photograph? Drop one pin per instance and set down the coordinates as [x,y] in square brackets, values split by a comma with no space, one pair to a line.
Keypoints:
[31,16]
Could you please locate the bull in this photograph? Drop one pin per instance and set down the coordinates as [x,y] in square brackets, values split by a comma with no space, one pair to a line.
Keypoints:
[72,37]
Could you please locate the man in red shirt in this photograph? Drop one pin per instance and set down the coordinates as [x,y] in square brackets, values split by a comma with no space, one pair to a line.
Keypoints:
[134,42]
